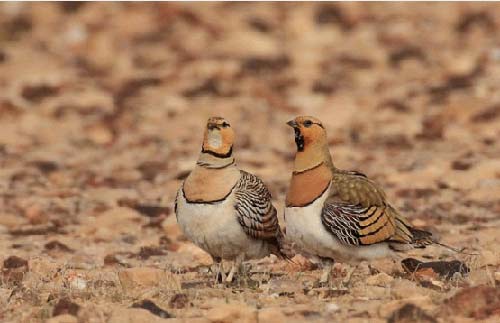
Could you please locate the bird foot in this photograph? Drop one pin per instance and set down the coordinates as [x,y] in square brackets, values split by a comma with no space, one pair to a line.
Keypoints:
[230,276]
[325,277]
[220,277]
[348,276]
[220,274]
[236,268]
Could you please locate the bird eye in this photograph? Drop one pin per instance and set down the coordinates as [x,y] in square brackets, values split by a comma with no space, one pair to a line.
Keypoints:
[308,123]
[225,124]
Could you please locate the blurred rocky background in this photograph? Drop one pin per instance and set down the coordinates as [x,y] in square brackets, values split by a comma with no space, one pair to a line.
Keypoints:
[102,109]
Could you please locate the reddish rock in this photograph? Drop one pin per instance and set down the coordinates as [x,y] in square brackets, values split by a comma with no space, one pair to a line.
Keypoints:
[479,302]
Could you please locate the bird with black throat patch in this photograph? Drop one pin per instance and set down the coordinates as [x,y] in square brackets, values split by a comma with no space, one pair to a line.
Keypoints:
[224,210]
[336,214]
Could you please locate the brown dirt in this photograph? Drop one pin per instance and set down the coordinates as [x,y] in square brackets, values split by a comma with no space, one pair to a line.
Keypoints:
[102,107]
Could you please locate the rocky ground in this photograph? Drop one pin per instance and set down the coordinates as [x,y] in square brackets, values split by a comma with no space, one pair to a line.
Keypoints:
[102,107]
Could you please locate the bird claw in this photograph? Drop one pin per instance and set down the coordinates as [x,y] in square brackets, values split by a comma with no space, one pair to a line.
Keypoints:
[230,276]
[325,277]
[220,275]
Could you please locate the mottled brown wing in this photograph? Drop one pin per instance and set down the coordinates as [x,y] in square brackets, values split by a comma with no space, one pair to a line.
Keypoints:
[355,188]
[357,213]
[254,209]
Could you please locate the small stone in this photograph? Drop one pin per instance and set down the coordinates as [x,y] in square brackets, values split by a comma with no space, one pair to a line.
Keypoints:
[434,269]
[152,307]
[78,283]
[410,313]
[35,215]
[439,284]
[460,65]
[99,134]
[332,308]
[57,246]
[479,302]
[387,309]
[285,287]
[497,276]
[14,269]
[65,306]
[15,262]
[426,274]
[381,279]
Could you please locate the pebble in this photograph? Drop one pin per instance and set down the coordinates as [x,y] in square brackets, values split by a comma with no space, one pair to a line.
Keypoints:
[332,308]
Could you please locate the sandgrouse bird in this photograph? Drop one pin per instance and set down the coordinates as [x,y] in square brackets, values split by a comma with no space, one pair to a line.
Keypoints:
[337,214]
[224,210]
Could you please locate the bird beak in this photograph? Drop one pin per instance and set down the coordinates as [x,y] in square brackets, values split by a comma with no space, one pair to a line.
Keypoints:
[293,124]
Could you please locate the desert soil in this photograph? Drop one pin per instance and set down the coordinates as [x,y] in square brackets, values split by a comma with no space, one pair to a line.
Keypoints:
[102,109]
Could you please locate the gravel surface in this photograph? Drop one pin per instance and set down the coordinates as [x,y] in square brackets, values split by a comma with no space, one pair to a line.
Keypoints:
[102,109]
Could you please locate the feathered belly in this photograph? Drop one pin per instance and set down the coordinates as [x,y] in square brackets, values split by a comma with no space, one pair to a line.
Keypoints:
[215,229]
[306,231]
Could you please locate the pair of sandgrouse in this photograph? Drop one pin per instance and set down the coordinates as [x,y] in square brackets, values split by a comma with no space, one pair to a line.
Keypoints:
[329,213]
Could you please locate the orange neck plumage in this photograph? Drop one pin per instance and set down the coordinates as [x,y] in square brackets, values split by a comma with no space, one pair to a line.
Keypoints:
[307,186]
[312,172]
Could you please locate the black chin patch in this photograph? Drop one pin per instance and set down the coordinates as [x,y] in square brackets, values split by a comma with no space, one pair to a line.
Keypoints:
[299,140]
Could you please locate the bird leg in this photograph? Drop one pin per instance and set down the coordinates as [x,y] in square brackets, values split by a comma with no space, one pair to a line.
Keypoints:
[218,270]
[326,275]
[235,267]
[348,276]
[230,276]
[360,268]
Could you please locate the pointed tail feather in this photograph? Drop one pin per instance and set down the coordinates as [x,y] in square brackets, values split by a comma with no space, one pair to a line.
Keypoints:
[418,238]
[423,238]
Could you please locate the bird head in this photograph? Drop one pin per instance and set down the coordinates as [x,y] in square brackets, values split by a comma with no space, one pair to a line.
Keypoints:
[219,137]
[312,145]
[308,131]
